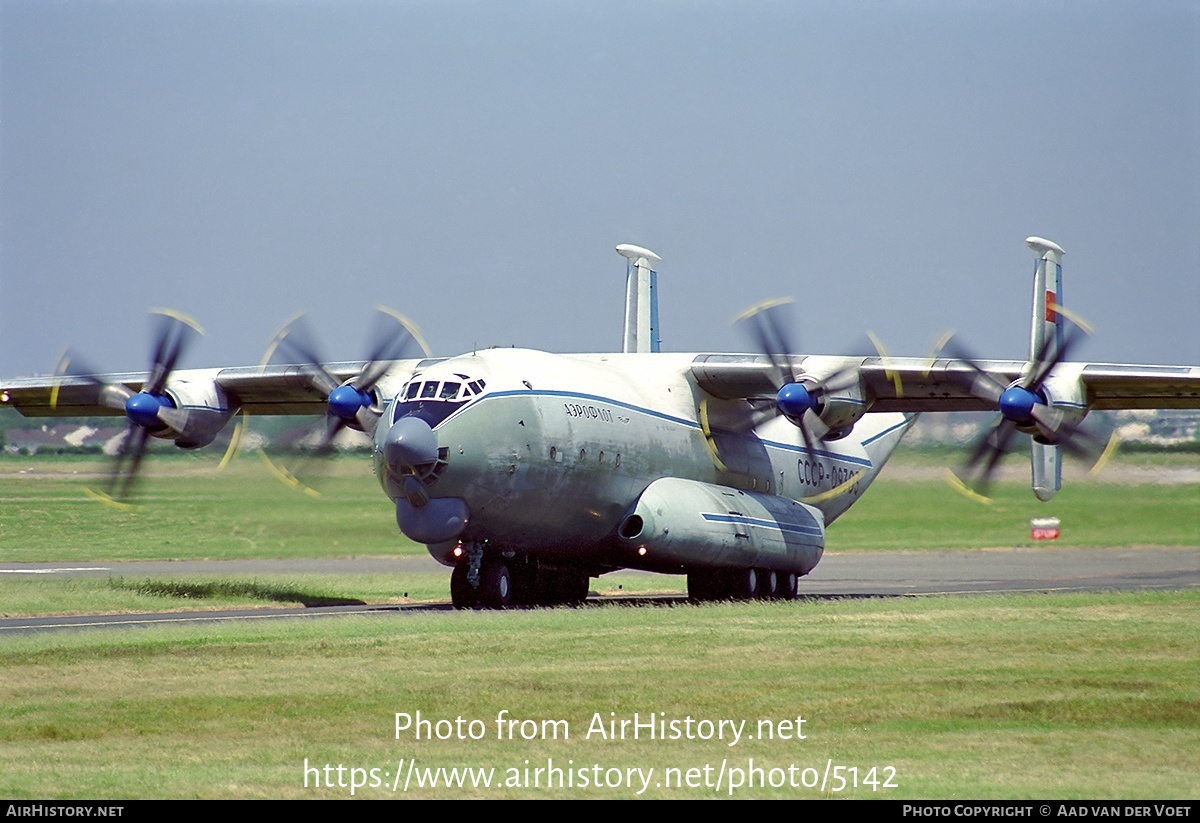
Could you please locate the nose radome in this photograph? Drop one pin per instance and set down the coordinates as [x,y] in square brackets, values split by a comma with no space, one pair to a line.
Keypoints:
[410,442]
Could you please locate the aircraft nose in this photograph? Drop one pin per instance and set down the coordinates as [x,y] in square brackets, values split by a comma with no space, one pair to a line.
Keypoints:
[410,443]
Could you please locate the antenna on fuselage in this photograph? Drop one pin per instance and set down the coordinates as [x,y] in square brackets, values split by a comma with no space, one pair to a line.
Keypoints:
[641,299]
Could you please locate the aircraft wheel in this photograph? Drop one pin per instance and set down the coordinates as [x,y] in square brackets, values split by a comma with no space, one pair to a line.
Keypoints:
[788,585]
[745,584]
[543,587]
[462,594]
[705,585]
[768,584]
[575,588]
[524,585]
[495,590]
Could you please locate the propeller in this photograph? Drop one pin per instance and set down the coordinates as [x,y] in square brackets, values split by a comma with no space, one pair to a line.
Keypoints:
[149,411]
[353,402]
[1023,407]
[799,398]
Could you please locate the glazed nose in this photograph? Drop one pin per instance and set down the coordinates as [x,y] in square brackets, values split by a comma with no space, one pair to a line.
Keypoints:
[410,443]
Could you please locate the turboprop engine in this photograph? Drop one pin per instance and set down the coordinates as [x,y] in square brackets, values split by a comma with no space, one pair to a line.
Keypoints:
[190,412]
[834,395]
[1048,401]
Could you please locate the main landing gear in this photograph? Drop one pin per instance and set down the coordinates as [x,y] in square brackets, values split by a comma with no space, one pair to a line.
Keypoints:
[741,584]
[498,583]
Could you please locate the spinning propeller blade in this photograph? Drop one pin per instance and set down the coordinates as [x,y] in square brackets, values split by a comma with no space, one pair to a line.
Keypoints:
[352,403]
[799,397]
[149,410]
[1023,407]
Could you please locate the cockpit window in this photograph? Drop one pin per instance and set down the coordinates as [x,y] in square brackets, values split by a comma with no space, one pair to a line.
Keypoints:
[435,400]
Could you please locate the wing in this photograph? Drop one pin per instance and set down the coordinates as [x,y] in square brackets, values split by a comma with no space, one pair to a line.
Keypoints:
[285,389]
[910,384]
[943,385]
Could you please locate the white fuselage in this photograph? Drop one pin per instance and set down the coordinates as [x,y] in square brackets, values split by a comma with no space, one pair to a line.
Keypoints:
[556,449]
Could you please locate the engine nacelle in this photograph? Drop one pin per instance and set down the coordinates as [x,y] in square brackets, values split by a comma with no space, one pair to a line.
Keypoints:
[836,395]
[207,410]
[1064,393]
[841,411]
[684,524]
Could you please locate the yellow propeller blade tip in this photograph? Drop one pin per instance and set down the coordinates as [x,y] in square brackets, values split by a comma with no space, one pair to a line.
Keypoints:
[763,306]
[277,336]
[890,373]
[235,440]
[409,326]
[1109,450]
[285,477]
[1058,308]
[709,442]
[180,316]
[964,490]
[108,500]
[836,491]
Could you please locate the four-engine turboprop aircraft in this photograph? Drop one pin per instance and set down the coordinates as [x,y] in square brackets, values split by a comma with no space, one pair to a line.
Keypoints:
[530,472]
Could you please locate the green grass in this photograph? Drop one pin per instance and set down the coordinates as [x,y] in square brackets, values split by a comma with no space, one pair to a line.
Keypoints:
[190,510]
[902,514]
[1069,695]
[27,595]
[1076,696]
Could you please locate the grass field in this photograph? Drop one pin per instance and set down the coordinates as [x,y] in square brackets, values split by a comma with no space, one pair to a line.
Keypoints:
[190,510]
[1081,695]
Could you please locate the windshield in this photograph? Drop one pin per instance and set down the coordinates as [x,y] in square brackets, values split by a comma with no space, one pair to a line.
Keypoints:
[433,399]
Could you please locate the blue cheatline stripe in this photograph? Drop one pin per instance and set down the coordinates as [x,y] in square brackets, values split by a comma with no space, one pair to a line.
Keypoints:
[886,432]
[810,531]
[595,398]
[682,421]
[845,458]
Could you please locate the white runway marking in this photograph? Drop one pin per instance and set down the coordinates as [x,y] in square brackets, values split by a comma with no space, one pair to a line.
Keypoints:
[56,571]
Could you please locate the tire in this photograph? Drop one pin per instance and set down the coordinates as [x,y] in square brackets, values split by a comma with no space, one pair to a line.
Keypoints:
[745,584]
[575,588]
[496,589]
[768,584]
[462,594]
[706,585]
[788,586]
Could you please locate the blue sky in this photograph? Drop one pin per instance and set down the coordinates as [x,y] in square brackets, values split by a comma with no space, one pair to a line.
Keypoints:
[472,164]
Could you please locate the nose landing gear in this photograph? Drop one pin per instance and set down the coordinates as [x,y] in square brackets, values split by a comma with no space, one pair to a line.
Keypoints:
[499,583]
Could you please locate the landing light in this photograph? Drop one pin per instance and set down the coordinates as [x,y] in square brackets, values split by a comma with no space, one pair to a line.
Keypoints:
[458,550]
[641,551]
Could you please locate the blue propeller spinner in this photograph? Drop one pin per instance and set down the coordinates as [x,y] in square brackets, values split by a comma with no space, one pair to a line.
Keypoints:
[793,400]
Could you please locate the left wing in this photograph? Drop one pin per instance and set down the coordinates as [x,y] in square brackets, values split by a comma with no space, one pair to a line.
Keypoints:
[912,384]
[1049,399]
[940,385]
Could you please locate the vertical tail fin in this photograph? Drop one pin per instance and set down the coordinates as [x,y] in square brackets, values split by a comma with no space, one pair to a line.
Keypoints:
[641,299]
[1046,337]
